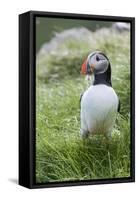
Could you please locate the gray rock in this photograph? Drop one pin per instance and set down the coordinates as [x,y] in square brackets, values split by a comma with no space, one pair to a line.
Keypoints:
[121,26]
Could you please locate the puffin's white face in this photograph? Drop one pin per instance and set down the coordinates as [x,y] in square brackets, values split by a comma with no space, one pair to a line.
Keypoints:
[98,63]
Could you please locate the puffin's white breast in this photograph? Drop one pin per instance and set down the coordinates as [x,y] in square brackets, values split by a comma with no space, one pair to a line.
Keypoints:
[98,109]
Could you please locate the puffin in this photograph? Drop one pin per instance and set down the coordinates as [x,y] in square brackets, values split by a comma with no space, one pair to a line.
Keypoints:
[99,104]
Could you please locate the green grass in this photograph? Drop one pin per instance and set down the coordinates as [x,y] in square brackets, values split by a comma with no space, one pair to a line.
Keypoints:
[61,154]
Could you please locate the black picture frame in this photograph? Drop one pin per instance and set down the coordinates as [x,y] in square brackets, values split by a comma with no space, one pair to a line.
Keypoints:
[27,116]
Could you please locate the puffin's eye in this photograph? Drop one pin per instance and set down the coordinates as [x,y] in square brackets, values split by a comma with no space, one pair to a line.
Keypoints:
[97,58]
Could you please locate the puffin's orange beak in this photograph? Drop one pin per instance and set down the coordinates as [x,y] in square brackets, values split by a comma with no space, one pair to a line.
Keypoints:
[84,67]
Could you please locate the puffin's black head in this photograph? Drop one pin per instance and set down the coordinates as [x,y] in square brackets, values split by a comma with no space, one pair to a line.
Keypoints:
[98,64]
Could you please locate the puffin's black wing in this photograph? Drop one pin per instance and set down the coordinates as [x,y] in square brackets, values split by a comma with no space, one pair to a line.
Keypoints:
[81,98]
[119,105]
